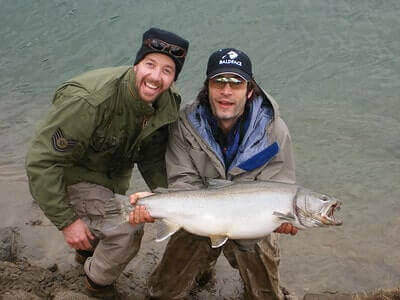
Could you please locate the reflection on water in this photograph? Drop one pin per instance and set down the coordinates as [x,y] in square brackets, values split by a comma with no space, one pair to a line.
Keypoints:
[333,66]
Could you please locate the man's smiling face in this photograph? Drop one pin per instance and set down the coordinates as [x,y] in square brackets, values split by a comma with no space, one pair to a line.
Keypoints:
[154,74]
[227,100]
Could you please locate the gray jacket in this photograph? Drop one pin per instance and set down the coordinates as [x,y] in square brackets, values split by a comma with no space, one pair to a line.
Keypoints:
[265,152]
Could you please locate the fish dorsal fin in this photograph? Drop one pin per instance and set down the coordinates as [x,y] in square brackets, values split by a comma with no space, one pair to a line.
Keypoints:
[166,229]
[218,240]
[217,183]
[287,217]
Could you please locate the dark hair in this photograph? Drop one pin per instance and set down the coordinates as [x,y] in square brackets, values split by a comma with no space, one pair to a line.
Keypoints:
[203,99]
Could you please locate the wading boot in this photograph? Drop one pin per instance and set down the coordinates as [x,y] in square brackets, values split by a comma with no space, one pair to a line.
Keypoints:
[205,278]
[101,291]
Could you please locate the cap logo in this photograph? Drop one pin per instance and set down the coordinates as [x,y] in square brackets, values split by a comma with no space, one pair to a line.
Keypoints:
[232,55]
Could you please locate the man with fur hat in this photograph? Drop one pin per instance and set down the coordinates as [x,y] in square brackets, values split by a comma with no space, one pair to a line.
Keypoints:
[100,125]
[232,131]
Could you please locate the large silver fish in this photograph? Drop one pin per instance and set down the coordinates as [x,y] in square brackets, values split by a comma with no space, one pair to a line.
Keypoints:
[239,210]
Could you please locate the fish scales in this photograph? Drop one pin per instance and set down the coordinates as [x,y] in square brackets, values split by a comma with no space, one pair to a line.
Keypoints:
[240,210]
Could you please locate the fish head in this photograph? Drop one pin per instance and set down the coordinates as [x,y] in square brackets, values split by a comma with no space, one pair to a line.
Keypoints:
[317,210]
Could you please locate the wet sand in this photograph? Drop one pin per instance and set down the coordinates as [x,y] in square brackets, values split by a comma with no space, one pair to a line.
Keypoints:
[41,245]
[327,260]
[334,69]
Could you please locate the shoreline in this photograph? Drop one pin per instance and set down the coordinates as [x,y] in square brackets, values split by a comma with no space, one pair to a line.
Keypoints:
[320,254]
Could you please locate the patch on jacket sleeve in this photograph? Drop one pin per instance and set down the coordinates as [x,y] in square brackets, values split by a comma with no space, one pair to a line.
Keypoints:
[60,142]
[260,158]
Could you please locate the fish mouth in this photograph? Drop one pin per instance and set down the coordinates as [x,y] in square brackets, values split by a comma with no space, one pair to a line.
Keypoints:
[328,218]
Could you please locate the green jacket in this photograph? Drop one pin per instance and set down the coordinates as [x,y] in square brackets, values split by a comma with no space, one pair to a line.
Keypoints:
[96,130]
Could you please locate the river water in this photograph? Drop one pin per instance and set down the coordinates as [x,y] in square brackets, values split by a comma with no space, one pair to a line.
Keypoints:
[333,66]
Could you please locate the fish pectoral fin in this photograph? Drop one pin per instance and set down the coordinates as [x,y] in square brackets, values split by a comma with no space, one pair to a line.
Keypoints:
[218,240]
[287,217]
[166,229]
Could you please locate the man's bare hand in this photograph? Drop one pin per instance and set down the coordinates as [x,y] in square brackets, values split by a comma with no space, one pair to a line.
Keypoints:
[77,235]
[139,213]
[287,228]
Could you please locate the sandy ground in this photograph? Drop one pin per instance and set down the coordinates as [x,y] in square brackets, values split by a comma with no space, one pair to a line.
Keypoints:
[44,266]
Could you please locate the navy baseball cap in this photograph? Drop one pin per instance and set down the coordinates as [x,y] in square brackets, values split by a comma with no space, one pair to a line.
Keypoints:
[229,60]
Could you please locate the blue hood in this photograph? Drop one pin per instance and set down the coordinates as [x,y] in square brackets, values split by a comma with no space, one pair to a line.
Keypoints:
[255,149]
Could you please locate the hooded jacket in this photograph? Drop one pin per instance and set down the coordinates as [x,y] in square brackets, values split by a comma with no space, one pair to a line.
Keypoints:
[96,130]
[265,152]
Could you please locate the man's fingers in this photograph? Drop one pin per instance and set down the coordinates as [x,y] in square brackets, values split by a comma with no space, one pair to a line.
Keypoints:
[140,215]
[86,244]
[294,231]
[134,216]
[89,234]
[150,219]
[282,228]
[73,245]
[76,245]
[130,217]
[133,198]
[136,196]
[137,214]
[147,217]
[287,228]
[82,244]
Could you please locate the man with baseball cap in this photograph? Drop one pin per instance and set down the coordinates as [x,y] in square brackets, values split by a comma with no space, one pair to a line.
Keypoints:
[100,125]
[232,131]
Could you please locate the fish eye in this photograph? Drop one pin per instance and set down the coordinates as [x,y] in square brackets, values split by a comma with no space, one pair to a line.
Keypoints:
[324,198]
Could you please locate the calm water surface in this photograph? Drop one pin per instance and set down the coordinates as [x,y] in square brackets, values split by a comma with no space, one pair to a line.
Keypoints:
[333,66]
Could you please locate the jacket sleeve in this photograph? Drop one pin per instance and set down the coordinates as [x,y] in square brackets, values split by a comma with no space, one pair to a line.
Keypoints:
[182,174]
[282,166]
[60,141]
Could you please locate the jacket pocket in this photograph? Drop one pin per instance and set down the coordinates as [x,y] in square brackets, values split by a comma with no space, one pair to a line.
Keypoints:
[102,143]
[89,199]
